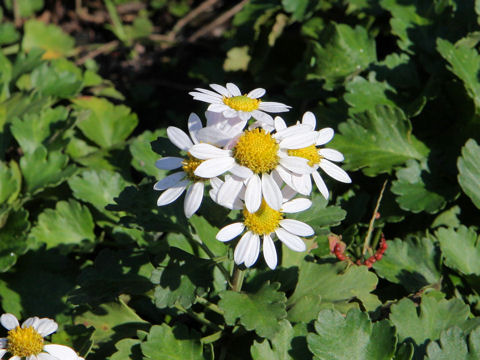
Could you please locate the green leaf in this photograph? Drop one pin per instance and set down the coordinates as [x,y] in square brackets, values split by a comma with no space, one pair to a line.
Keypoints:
[377,141]
[107,124]
[206,233]
[41,171]
[460,249]
[8,34]
[13,238]
[127,349]
[331,285]
[412,263]
[469,171]
[47,37]
[369,341]
[98,187]
[454,346]
[419,189]
[284,345]
[179,278]
[363,94]
[319,215]
[237,59]
[11,181]
[26,8]
[177,343]
[69,224]
[59,78]
[261,311]
[465,63]
[434,316]
[143,157]
[33,129]
[345,52]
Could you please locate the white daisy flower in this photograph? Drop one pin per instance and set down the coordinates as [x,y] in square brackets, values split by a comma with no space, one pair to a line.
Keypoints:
[231,103]
[257,161]
[176,183]
[267,223]
[220,131]
[317,158]
[26,341]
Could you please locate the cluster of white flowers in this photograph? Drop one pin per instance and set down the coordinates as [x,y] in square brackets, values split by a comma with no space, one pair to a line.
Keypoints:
[264,167]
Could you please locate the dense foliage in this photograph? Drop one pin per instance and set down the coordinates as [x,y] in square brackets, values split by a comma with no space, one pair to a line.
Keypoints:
[86,93]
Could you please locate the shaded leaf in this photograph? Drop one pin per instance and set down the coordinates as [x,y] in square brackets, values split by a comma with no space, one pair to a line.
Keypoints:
[377,141]
[127,349]
[70,223]
[460,249]
[143,157]
[177,343]
[412,263]
[11,181]
[469,171]
[261,311]
[368,341]
[13,238]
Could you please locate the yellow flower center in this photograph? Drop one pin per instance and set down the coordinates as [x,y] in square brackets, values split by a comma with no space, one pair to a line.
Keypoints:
[189,165]
[257,150]
[310,153]
[24,342]
[264,221]
[242,103]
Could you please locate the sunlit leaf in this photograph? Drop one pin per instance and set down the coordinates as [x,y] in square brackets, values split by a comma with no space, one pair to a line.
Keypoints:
[454,345]
[50,38]
[469,171]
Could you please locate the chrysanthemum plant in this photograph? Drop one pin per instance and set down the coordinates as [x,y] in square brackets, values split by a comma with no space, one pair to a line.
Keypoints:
[254,163]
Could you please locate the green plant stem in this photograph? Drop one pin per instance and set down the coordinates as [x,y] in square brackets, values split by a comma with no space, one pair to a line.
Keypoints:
[209,305]
[116,22]
[237,279]
[211,338]
[376,238]
[199,317]
[366,243]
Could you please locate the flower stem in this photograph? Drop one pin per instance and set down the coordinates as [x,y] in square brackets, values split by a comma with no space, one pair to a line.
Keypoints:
[366,243]
[199,317]
[209,305]
[237,279]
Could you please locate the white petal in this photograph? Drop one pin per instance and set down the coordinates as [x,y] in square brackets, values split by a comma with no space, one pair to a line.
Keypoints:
[324,136]
[220,89]
[309,119]
[179,138]
[271,192]
[298,141]
[230,113]
[288,193]
[15,358]
[241,171]
[169,181]
[219,108]
[302,184]
[320,184]
[331,154]
[296,205]
[292,130]
[297,227]
[194,125]
[279,123]
[214,167]
[208,92]
[240,253]
[215,99]
[43,356]
[296,164]
[9,321]
[234,90]
[46,327]
[61,351]
[169,163]
[244,115]
[293,242]
[253,250]
[285,175]
[207,151]
[172,194]
[193,198]
[256,93]
[2,352]
[31,322]
[228,232]
[229,192]
[269,252]
[274,107]
[253,193]
[264,118]
[335,171]
[3,343]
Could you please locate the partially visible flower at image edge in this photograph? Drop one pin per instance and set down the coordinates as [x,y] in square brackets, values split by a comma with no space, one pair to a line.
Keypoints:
[27,341]
[231,103]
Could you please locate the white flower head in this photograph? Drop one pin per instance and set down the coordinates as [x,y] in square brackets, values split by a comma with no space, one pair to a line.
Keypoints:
[185,179]
[258,160]
[230,102]
[266,223]
[318,158]
[26,341]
